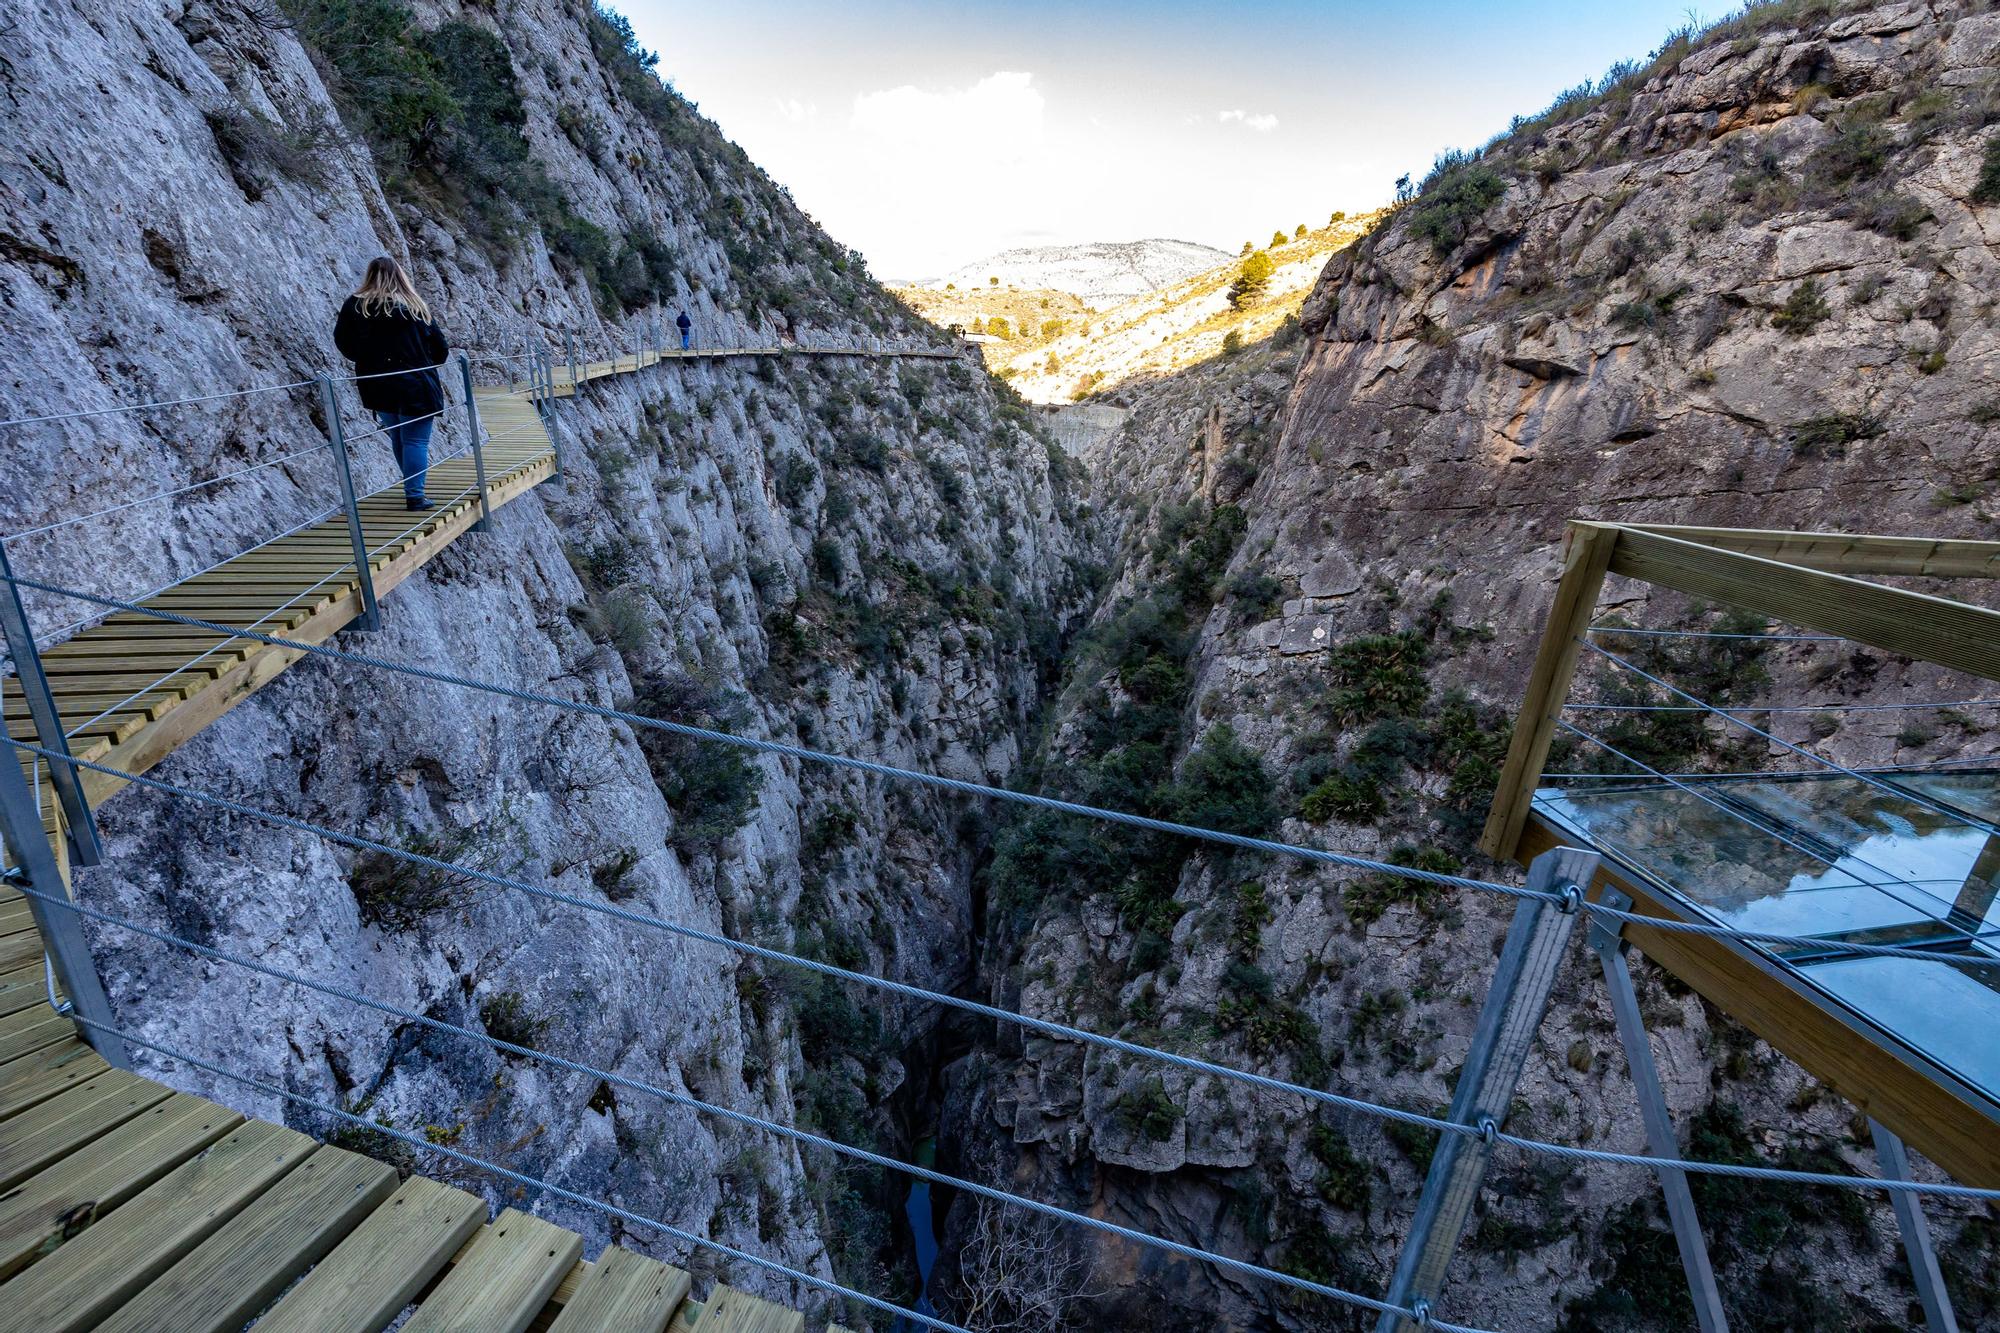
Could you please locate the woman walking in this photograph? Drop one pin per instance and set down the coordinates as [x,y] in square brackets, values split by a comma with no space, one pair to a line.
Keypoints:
[385,329]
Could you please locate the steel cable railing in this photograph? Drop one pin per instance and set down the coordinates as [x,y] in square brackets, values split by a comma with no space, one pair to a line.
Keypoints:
[1730,715]
[542,1186]
[887,986]
[149,406]
[803,1137]
[961,786]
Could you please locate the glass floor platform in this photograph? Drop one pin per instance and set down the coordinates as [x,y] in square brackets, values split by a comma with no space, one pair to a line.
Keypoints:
[1908,862]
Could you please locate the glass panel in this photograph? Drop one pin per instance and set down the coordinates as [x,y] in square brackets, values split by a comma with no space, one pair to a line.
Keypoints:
[1844,857]
[1917,856]
[1939,1009]
[1977,794]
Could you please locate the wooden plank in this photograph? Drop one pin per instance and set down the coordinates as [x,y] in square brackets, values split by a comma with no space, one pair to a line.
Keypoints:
[65,1123]
[1927,1109]
[95,1273]
[31,1029]
[1587,552]
[1847,552]
[728,1310]
[20,988]
[502,1281]
[235,1272]
[52,1207]
[1914,624]
[382,1265]
[34,1079]
[624,1291]
[86,1279]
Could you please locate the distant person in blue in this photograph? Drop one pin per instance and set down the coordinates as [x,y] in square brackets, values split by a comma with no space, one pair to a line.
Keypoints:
[684,324]
[385,329]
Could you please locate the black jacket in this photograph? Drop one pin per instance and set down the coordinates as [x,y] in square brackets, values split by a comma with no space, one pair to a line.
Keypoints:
[392,341]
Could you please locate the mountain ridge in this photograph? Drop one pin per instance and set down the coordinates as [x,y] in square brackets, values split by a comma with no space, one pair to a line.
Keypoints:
[1097,272]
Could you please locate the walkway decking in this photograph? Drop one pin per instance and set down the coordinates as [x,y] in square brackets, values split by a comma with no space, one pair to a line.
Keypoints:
[641,358]
[127,1205]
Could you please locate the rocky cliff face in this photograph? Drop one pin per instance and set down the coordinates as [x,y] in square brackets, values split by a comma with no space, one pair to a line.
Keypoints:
[875,558]
[1747,284]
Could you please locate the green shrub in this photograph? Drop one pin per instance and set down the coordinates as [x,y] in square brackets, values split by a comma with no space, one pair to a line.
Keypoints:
[1224,786]
[506,1018]
[1344,1179]
[1232,342]
[1987,189]
[1147,1112]
[710,786]
[1858,149]
[1353,797]
[1378,675]
[1253,276]
[1367,899]
[1803,309]
[396,894]
[1254,597]
[1454,196]
[1835,429]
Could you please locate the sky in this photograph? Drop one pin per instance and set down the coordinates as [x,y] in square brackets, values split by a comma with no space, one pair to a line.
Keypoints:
[928,134]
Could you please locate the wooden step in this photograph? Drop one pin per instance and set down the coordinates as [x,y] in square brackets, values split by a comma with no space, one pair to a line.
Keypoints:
[86,1279]
[60,1202]
[382,1264]
[502,1281]
[33,1079]
[235,1272]
[624,1291]
[51,1131]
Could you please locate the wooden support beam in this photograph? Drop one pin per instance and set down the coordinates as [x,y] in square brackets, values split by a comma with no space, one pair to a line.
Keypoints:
[1847,553]
[1587,553]
[1913,624]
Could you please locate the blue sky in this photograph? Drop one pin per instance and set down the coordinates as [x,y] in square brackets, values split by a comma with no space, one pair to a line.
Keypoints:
[928,135]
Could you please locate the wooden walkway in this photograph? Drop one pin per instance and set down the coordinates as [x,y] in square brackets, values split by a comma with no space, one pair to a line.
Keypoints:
[641,358]
[125,1205]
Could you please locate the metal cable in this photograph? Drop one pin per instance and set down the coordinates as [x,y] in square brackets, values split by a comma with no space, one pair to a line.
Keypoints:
[536,1183]
[1781,708]
[163,495]
[758,951]
[779,748]
[1912,797]
[1045,802]
[1712,634]
[385,374]
[735,1117]
[74,625]
[165,402]
[1936,766]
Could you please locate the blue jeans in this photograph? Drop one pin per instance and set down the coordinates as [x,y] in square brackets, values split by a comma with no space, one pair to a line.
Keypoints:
[410,441]
[684,340]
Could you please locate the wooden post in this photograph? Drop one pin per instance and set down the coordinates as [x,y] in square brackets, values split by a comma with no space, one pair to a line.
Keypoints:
[1587,549]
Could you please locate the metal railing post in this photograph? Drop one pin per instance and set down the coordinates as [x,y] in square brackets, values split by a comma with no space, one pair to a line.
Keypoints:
[64,947]
[1522,980]
[370,618]
[78,822]
[569,347]
[545,406]
[1909,1209]
[1607,941]
[485,519]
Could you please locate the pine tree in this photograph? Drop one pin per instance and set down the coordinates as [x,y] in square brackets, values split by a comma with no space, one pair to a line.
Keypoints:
[1277,238]
[1253,275]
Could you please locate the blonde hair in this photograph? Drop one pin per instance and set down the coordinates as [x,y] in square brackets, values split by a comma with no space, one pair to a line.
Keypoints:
[386,288]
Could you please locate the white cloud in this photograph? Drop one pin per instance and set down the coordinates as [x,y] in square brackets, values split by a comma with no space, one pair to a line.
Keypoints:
[1262,122]
[797,112]
[998,118]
